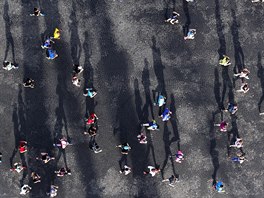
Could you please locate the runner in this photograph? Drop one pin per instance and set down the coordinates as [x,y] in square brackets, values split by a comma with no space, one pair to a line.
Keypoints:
[142,138]
[94,146]
[37,13]
[56,34]
[190,35]
[29,83]
[18,167]
[179,156]
[223,126]
[243,74]
[152,170]
[51,54]
[231,108]
[126,170]
[76,81]
[45,158]
[124,148]
[47,43]
[244,88]
[22,147]
[25,189]
[151,125]
[161,100]
[172,180]
[90,92]
[63,143]
[174,19]
[166,115]
[225,61]
[9,66]
[53,191]
[92,119]
[63,171]
[238,143]
[35,177]
[219,187]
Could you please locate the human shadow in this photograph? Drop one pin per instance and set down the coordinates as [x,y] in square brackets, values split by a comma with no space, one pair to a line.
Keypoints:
[187,16]
[261,78]
[219,30]
[146,85]
[138,101]
[173,121]
[151,148]
[9,37]
[88,74]
[61,120]
[227,85]
[76,48]
[167,8]
[217,91]
[158,66]
[239,55]
[213,152]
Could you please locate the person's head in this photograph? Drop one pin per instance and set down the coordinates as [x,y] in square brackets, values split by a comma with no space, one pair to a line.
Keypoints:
[35,9]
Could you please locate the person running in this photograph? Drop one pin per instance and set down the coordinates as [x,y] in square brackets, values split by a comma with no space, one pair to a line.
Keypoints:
[91,131]
[25,189]
[124,148]
[63,171]
[29,83]
[190,35]
[37,13]
[51,54]
[126,170]
[238,159]
[219,186]
[56,34]
[179,156]
[76,81]
[244,88]
[90,92]
[231,108]
[166,115]
[152,170]
[92,119]
[151,125]
[238,143]
[47,43]
[94,146]
[53,191]
[45,157]
[225,61]
[77,69]
[172,180]
[243,74]
[160,101]
[142,138]
[22,147]
[174,18]
[223,126]
[18,167]
[63,143]
[35,177]
[9,66]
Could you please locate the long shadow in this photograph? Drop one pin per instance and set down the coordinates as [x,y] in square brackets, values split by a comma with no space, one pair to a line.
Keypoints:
[158,66]
[39,136]
[71,103]
[219,29]
[61,121]
[217,91]
[239,55]
[173,121]
[138,101]
[75,42]
[115,64]
[146,85]
[187,16]
[213,152]
[9,37]
[261,78]
[88,73]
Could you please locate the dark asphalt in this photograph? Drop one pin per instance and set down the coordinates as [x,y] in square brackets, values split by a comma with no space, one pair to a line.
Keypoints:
[129,53]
